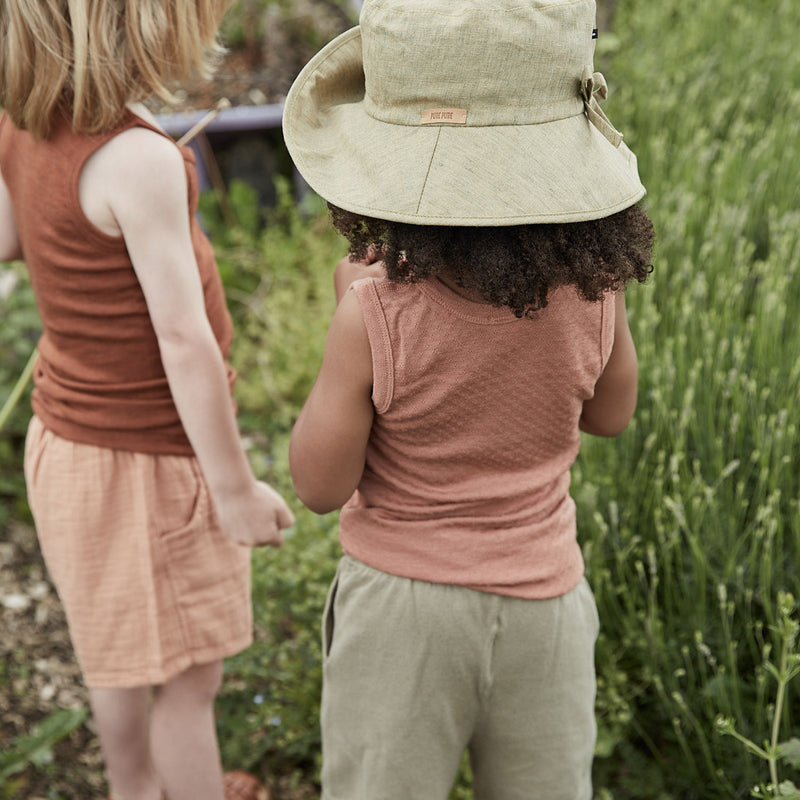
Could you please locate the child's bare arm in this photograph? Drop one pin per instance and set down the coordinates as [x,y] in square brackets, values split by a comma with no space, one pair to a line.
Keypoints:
[329,440]
[9,239]
[149,202]
[611,408]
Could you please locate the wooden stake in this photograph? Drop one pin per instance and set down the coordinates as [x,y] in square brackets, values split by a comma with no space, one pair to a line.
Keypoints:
[201,124]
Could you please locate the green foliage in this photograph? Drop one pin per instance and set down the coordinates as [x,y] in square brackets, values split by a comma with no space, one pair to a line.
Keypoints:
[37,747]
[788,667]
[279,282]
[690,520]
[18,335]
[269,712]
[306,24]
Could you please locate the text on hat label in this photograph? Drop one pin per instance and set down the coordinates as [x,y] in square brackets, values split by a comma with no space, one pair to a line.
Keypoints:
[456,116]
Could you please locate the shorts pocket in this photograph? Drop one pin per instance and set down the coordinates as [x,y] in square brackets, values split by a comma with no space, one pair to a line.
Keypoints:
[179,493]
[202,585]
[199,555]
[328,618]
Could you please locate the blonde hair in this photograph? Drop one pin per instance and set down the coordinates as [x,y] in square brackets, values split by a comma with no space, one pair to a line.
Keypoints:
[91,57]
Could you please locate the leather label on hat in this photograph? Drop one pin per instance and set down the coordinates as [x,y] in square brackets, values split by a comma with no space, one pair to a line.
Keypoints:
[437,116]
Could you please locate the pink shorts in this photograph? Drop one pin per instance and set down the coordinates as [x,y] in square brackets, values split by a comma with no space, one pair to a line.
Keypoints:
[149,582]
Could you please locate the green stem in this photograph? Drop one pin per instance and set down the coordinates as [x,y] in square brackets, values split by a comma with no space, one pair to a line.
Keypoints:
[776,720]
[18,390]
[750,745]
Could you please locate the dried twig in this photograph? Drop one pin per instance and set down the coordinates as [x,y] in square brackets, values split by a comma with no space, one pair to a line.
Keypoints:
[201,124]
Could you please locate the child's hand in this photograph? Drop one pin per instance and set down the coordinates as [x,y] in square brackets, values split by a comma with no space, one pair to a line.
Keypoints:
[256,518]
[348,271]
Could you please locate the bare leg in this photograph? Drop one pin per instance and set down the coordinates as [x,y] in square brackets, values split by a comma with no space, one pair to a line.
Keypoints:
[122,718]
[183,734]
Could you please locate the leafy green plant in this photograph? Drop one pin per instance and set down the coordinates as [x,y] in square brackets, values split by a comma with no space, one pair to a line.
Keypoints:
[279,282]
[690,520]
[19,389]
[787,668]
[272,691]
[18,335]
[37,747]
[301,26]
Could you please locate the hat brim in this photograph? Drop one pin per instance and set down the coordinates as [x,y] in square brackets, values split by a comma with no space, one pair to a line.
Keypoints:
[560,171]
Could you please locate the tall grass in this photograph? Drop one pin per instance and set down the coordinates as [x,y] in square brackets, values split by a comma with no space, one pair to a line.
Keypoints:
[691,522]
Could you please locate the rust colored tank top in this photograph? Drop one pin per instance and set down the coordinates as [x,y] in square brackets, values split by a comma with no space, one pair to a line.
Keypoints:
[99,378]
[476,427]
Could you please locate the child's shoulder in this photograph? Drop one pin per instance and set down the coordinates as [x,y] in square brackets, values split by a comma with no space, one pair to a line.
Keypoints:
[138,143]
[143,148]
[137,156]
[132,175]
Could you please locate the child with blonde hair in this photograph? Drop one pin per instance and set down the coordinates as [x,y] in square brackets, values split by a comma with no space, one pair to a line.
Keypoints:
[490,208]
[144,501]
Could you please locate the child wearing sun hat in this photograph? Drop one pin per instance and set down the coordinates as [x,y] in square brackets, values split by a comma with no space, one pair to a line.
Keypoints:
[490,207]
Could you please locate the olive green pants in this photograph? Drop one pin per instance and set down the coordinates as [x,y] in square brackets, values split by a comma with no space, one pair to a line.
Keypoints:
[416,673]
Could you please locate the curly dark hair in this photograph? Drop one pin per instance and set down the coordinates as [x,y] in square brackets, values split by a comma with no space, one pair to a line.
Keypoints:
[516,266]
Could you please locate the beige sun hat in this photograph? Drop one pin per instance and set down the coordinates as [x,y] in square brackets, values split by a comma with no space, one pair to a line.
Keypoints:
[462,112]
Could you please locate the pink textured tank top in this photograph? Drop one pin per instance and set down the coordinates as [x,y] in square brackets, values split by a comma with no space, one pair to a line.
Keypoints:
[476,427]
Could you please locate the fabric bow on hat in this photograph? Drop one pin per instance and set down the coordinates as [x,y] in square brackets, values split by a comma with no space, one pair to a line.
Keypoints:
[593,83]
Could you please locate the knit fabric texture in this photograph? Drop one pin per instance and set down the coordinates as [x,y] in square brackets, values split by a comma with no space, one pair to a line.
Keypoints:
[99,377]
[476,427]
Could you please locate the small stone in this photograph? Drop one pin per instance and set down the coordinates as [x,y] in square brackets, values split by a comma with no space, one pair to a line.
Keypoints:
[39,590]
[47,692]
[15,602]
[42,615]
[257,97]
